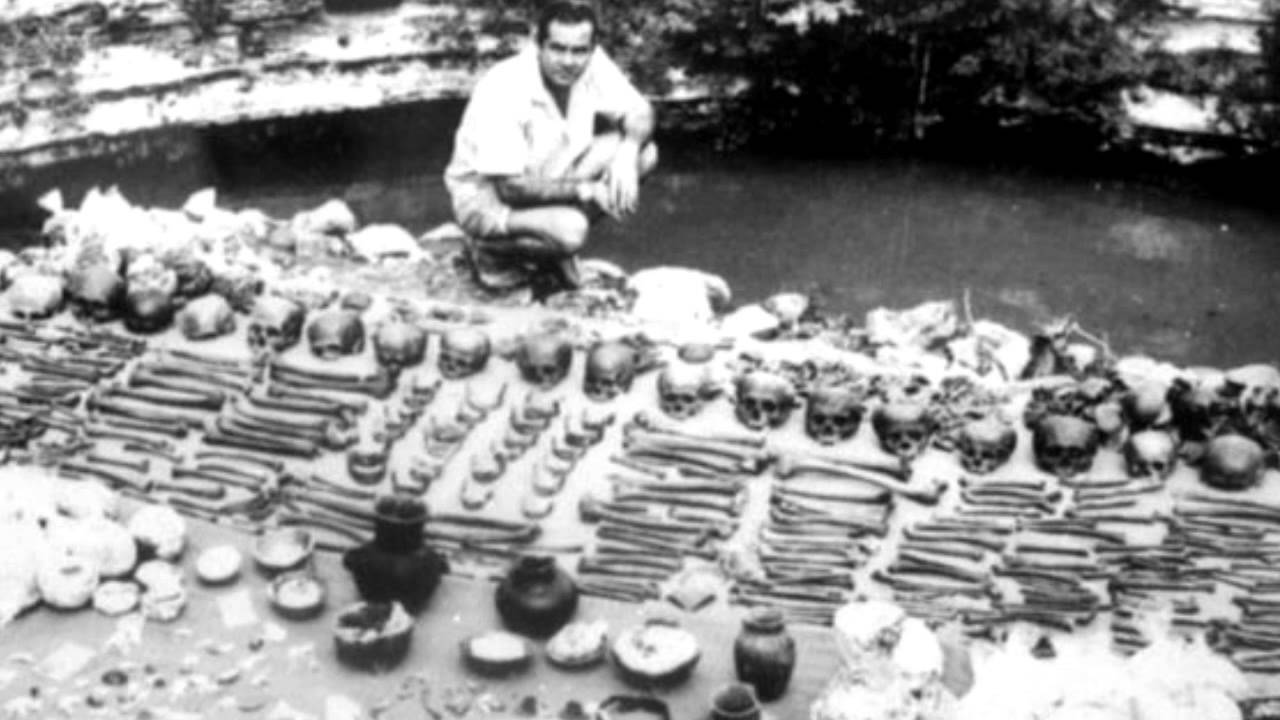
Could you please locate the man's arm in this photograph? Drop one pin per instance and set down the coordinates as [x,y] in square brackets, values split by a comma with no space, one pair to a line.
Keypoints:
[526,190]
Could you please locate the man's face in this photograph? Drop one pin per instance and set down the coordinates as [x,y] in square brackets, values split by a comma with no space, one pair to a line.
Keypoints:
[564,52]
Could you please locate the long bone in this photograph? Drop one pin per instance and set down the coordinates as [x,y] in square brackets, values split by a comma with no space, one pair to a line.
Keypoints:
[259,398]
[892,467]
[117,423]
[789,465]
[677,442]
[143,485]
[659,540]
[141,466]
[195,372]
[249,426]
[346,402]
[669,564]
[99,431]
[870,495]
[139,411]
[379,386]
[247,410]
[801,509]
[270,463]
[211,392]
[654,423]
[220,434]
[687,462]
[221,475]
[592,510]
[727,506]
[152,451]
[714,487]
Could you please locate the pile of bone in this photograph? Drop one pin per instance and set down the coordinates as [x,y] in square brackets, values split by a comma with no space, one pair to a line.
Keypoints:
[58,367]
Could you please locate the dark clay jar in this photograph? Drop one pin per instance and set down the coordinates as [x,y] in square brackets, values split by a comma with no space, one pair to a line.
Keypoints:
[536,597]
[396,565]
[764,653]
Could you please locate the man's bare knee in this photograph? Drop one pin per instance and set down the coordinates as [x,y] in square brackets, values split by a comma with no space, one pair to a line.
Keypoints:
[573,226]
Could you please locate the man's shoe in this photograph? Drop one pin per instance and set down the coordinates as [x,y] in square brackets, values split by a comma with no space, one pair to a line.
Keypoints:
[492,273]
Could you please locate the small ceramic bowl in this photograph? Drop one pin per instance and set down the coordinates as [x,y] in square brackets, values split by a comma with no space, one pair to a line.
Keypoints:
[497,653]
[282,550]
[373,635]
[218,565]
[296,595]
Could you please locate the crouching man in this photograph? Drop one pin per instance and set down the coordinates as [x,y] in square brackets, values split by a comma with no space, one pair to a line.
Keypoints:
[551,139]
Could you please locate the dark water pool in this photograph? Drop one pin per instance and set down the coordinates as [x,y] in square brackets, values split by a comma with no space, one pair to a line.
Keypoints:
[1182,277]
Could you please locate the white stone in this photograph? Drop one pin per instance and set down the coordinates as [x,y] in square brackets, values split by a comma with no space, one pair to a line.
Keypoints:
[749,321]
[384,240]
[676,299]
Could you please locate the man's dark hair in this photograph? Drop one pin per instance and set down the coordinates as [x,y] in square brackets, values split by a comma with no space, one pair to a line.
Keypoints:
[568,12]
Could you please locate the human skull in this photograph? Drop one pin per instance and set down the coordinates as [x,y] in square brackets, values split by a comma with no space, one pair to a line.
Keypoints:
[34,296]
[1199,409]
[544,360]
[335,333]
[833,413]
[208,316]
[1256,387]
[1150,453]
[903,428]
[683,389]
[399,344]
[97,292]
[611,367]
[1145,405]
[464,351]
[148,310]
[985,444]
[275,324]
[1232,462]
[1064,445]
[763,400]
[193,275]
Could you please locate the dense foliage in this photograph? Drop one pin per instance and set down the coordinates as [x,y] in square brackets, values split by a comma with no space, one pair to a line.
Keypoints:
[890,70]
[853,73]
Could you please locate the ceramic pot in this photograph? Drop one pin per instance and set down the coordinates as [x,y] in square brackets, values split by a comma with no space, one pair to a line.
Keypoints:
[764,653]
[536,597]
[736,701]
[396,565]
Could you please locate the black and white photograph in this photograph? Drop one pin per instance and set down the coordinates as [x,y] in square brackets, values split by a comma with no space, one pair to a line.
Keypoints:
[639,359]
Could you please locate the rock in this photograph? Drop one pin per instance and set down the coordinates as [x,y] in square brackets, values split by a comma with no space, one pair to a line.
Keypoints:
[788,307]
[678,300]
[922,326]
[384,240]
[334,217]
[749,321]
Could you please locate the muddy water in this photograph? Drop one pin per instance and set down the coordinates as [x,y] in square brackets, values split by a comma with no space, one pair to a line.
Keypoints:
[1181,277]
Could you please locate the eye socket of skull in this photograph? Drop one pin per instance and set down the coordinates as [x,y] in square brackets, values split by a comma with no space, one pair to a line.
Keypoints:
[336,333]
[902,428]
[833,414]
[763,399]
[148,311]
[610,369]
[1064,445]
[276,323]
[463,352]
[1150,452]
[544,360]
